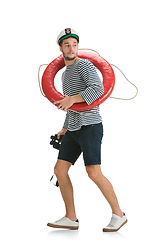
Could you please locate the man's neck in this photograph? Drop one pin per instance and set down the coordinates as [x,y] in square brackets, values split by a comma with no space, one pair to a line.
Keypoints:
[70,62]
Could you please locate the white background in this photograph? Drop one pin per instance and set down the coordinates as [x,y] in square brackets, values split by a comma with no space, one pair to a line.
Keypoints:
[125,33]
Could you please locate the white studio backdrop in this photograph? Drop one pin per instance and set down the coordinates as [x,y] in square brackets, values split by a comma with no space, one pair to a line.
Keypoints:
[125,33]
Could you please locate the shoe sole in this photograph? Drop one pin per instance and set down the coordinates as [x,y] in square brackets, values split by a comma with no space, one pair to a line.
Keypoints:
[59,226]
[114,230]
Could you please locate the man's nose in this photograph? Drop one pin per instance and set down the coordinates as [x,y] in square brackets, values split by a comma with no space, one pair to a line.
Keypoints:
[71,48]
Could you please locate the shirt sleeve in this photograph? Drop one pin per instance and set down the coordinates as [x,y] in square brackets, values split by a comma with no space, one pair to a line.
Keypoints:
[94,87]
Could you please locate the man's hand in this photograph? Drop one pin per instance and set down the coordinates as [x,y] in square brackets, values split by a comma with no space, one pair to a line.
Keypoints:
[65,103]
[62,132]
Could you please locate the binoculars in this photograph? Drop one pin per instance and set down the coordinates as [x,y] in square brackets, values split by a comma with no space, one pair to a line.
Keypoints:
[55,141]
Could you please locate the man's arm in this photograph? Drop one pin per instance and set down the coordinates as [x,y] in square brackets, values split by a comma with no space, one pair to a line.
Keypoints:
[62,132]
[94,87]
[77,98]
[67,102]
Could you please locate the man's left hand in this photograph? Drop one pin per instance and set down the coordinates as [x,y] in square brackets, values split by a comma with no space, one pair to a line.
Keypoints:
[65,103]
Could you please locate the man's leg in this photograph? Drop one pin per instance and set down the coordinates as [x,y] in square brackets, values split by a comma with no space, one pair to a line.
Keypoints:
[95,174]
[61,171]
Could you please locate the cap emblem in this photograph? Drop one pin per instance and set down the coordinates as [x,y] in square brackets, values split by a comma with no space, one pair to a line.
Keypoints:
[68,31]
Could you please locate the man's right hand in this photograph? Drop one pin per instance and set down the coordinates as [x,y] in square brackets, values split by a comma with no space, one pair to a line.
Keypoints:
[62,132]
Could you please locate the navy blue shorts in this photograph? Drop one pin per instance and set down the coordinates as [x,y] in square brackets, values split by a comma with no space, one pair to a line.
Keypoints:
[87,140]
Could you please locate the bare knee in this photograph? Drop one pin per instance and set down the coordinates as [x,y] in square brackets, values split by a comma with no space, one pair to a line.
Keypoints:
[92,176]
[93,172]
[61,168]
[57,170]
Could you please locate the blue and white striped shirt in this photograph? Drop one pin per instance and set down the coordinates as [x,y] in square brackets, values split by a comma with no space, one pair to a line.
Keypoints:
[82,78]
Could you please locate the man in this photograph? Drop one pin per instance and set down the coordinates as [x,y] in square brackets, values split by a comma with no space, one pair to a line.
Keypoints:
[82,132]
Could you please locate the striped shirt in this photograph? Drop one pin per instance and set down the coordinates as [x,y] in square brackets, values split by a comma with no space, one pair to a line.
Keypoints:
[82,78]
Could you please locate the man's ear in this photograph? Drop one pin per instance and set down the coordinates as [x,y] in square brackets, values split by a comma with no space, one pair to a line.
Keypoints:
[60,48]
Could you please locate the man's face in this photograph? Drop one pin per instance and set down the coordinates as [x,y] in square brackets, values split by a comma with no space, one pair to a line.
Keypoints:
[69,48]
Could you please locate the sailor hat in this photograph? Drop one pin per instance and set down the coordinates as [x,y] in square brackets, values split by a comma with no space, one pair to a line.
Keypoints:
[66,33]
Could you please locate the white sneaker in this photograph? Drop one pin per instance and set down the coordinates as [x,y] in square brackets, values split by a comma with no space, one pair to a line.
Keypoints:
[65,223]
[116,223]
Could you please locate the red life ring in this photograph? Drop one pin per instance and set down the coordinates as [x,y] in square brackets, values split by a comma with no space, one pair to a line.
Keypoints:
[99,62]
